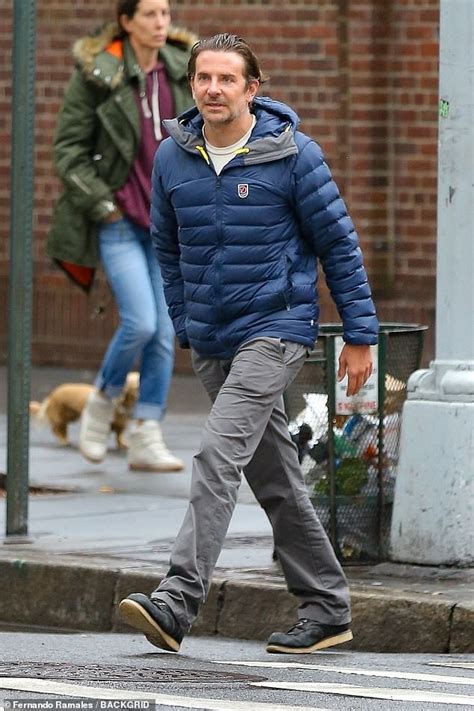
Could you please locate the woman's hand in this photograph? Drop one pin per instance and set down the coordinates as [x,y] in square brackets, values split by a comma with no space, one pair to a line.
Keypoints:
[114,216]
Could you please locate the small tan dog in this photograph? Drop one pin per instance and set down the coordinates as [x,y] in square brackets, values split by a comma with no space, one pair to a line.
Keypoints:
[66,402]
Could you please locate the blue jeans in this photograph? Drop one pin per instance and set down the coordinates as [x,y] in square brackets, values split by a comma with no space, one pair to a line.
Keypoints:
[145,331]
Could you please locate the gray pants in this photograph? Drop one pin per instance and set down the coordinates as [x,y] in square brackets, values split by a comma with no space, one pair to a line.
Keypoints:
[247,430]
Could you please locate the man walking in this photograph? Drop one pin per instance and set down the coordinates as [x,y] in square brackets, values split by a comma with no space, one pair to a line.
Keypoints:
[243,206]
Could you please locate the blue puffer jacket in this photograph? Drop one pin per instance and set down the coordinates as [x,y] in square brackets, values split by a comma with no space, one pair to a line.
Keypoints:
[238,252]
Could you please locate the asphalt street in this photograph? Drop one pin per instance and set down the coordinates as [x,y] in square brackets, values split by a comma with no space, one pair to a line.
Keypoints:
[217,673]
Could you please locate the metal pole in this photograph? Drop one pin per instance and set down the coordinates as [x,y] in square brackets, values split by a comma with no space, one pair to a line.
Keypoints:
[434,495]
[381,458]
[330,353]
[20,285]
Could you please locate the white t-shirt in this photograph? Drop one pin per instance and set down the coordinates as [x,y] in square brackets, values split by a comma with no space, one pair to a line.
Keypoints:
[221,156]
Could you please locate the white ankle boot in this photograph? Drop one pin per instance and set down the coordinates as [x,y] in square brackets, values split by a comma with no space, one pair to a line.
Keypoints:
[95,426]
[148,452]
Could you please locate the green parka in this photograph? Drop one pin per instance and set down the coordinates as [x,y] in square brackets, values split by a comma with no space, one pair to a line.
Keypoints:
[97,138]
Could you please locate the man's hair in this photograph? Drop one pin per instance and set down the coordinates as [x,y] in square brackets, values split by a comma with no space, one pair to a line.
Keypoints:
[228,43]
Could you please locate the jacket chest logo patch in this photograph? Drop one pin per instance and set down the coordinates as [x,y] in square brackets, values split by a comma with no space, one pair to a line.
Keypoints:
[243,190]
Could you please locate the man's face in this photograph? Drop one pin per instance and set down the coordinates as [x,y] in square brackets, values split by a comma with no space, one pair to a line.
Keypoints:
[148,28]
[219,87]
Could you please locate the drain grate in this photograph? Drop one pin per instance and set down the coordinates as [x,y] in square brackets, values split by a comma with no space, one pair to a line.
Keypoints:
[108,672]
[35,490]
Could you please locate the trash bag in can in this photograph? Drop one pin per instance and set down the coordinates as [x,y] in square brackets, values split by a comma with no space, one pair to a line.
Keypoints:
[348,448]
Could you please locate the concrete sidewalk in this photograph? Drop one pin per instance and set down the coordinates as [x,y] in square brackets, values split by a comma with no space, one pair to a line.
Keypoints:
[102,532]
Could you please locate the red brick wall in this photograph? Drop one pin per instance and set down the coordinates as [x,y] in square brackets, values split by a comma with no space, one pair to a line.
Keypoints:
[362,75]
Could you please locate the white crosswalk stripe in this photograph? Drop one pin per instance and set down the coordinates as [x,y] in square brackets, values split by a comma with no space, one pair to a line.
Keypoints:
[392,694]
[370,692]
[409,676]
[452,665]
[42,686]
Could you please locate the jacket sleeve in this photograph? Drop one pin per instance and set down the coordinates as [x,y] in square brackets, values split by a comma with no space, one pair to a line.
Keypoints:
[164,233]
[327,227]
[74,147]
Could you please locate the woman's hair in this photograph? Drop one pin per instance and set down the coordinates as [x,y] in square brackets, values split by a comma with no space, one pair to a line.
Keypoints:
[125,7]
[228,43]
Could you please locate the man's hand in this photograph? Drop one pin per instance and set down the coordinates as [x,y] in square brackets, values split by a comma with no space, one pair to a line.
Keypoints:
[356,362]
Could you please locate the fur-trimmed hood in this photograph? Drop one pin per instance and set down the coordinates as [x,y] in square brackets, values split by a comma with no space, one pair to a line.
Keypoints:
[103,57]
[94,163]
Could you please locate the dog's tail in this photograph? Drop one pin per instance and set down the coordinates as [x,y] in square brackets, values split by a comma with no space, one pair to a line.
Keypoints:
[38,410]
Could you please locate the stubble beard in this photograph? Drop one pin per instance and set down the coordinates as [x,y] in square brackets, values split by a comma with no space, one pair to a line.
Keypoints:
[224,120]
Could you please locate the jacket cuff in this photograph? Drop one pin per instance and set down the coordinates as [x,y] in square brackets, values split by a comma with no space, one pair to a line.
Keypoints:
[367,340]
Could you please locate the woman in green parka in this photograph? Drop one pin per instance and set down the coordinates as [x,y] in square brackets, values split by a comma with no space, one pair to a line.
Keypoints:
[129,76]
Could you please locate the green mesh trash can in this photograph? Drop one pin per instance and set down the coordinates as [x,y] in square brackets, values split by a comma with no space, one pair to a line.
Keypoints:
[348,448]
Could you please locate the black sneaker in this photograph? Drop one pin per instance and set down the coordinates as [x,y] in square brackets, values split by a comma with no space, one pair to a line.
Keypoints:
[154,618]
[307,636]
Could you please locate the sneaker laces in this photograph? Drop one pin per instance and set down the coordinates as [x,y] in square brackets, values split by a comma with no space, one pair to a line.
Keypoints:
[162,605]
[298,627]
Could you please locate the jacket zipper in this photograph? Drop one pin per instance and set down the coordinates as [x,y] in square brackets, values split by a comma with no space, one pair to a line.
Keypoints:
[220,240]
[220,233]
[289,282]
[217,263]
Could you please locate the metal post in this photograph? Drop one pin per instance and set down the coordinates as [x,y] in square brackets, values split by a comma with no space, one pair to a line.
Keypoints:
[330,353]
[20,285]
[434,496]
[381,455]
